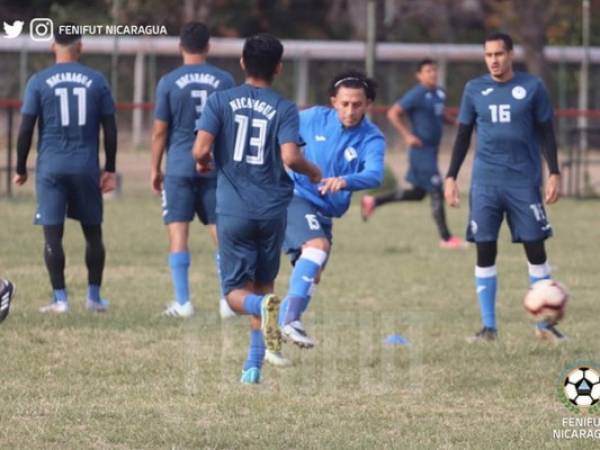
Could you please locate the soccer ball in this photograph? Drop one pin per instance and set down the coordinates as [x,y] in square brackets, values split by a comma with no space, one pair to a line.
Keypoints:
[546,300]
[582,386]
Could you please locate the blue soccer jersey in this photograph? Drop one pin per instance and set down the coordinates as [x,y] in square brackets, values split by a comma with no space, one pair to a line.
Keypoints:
[506,116]
[356,153]
[425,108]
[250,124]
[69,100]
[180,98]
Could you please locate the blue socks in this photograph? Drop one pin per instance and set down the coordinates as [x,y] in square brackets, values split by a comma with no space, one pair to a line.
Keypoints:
[93,293]
[256,352]
[301,283]
[60,295]
[179,262]
[252,304]
[486,283]
[538,272]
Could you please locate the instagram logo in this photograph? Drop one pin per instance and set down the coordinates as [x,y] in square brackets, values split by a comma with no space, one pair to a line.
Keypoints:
[41,29]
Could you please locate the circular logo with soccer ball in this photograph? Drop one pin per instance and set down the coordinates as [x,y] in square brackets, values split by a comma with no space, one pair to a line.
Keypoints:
[519,92]
[582,386]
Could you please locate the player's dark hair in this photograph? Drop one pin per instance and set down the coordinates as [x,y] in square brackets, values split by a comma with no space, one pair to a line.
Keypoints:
[194,37]
[425,62]
[62,35]
[261,54]
[353,79]
[499,36]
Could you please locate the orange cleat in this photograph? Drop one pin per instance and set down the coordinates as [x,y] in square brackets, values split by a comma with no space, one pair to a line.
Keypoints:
[367,207]
[454,243]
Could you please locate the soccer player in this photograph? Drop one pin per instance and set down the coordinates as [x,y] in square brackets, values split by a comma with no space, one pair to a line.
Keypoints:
[512,112]
[7,293]
[71,101]
[255,132]
[180,98]
[424,105]
[349,150]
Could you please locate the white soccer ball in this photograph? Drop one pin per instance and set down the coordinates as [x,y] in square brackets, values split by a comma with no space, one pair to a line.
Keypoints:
[582,386]
[546,300]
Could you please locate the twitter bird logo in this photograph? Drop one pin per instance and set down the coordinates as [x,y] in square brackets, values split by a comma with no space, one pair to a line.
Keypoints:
[14,30]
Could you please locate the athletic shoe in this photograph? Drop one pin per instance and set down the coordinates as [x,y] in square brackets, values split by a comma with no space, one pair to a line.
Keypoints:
[225,310]
[177,310]
[269,312]
[96,306]
[7,293]
[367,207]
[550,333]
[484,335]
[454,243]
[294,331]
[277,359]
[55,308]
[250,376]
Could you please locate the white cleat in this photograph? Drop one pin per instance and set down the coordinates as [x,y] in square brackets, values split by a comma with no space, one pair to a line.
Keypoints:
[55,308]
[294,332]
[277,359]
[92,305]
[225,310]
[182,311]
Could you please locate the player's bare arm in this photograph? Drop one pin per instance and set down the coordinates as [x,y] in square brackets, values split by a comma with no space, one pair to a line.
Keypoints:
[201,151]
[160,131]
[396,116]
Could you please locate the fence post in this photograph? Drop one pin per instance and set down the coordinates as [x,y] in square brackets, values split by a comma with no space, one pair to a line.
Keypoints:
[138,98]
[9,150]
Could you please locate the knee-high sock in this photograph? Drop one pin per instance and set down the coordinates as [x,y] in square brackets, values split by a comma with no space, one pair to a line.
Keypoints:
[95,255]
[252,304]
[439,215]
[538,272]
[54,257]
[256,351]
[303,277]
[486,282]
[179,263]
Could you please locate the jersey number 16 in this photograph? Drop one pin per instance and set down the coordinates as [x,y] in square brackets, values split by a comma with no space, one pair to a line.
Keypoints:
[500,113]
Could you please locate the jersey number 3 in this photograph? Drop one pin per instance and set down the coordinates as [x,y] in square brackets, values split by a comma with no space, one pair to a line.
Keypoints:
[257,142]
[500,113]
[63,95]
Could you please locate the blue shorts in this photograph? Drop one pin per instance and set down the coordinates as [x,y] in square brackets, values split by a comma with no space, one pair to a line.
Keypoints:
[423,169]
[523,208]
[249,250]
[76,196]
[183,197]
[304,222]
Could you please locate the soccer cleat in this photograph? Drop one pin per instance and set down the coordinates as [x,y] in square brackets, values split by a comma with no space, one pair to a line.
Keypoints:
[96,306]
[177,310]
[454,243]
[550,333]
[7,293]
[277,359]
[367,207]
[269,312]
[250,376]
[484,335]
[225,310]
[294,332]
[55,308]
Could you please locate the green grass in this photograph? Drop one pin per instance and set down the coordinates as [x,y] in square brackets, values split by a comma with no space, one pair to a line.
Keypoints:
[130,379]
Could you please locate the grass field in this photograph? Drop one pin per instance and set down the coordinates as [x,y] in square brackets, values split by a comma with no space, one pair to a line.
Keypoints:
[131,379]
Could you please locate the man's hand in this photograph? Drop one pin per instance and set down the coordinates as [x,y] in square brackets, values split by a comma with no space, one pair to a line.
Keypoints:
[204,167]
[413,140]
[108,182]
[315,176]
[451,192]
[334,184]
[552,189]
[157,181]
[20,180]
